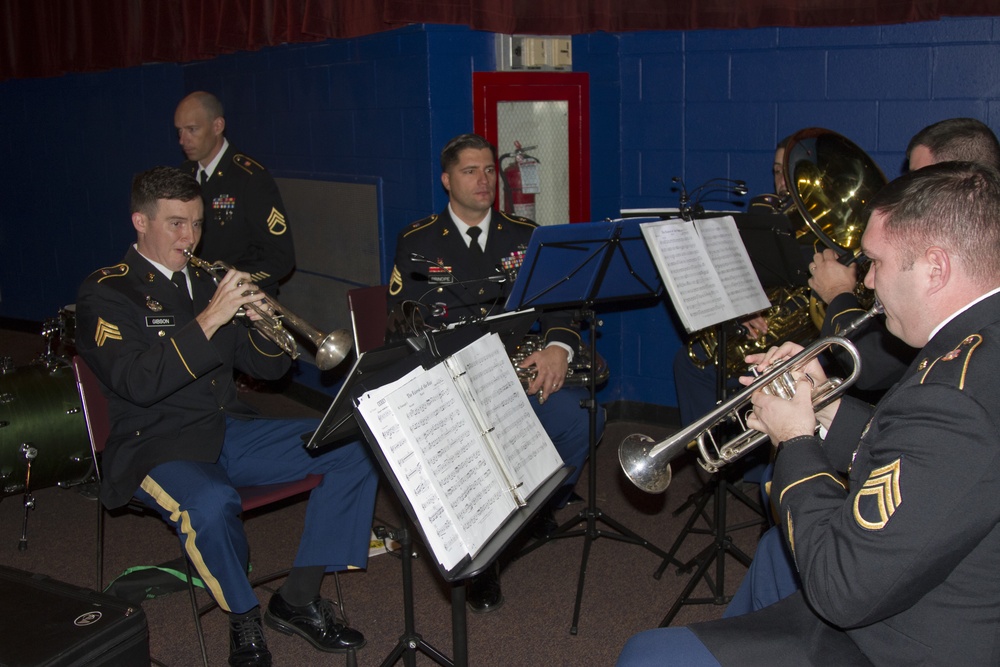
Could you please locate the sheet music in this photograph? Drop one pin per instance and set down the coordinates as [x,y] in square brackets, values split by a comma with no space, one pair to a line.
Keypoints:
[527,453]
[438,423]
[706,270]
[684,265]
[409,470]
[729,256]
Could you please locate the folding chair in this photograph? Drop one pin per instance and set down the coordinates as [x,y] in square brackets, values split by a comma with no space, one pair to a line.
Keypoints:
[95,408]
[368,307]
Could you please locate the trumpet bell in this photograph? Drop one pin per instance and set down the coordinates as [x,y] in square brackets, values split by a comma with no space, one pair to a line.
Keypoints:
[649,473]
[333,349]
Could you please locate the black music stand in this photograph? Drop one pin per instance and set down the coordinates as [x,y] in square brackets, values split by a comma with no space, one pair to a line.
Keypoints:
[391,363]
[569,266]
[778,258]
[779,261]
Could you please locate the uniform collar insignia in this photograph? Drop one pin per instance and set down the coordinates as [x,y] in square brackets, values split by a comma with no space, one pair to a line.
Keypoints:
[150,277]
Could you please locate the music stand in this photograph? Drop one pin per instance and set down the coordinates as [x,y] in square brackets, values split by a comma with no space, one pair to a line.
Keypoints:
[587,263]
[779,261]
[427,351]
[777,257]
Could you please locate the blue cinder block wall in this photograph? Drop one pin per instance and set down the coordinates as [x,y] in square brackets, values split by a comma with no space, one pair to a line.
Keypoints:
[698,105]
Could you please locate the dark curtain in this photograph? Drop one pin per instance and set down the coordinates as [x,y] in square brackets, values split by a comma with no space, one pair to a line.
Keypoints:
[52,37]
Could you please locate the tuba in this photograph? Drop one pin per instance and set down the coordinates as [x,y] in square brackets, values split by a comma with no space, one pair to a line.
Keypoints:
[830,183]
[831,180]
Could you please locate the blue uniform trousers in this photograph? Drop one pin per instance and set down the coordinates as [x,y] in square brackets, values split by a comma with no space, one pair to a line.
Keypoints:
[200,501]
[666,646]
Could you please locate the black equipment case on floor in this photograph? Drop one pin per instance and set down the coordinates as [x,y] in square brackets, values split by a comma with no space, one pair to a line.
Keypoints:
[48,623]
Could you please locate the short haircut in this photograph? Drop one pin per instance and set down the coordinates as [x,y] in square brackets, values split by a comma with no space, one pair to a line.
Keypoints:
[961,139]
[953,205]
[449,154]
[158,183]
[210,103]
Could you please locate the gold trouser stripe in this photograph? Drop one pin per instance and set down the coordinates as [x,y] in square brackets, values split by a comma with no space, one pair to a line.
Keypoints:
[164,500]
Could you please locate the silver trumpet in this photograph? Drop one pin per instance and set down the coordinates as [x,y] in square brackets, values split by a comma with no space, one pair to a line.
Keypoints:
[647,462]
[331,348]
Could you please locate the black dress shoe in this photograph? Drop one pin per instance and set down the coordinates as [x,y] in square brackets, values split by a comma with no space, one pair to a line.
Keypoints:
[314,622]
[483,593]
[247,647]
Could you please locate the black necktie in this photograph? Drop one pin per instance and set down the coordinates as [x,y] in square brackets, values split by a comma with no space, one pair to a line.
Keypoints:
[474,248]
[202,176]
[182,284]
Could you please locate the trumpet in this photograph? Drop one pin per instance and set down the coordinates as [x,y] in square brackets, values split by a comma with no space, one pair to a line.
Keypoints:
[331,348]
[647,462]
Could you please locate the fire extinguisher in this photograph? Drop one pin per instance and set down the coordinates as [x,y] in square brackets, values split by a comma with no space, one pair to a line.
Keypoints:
[520,181]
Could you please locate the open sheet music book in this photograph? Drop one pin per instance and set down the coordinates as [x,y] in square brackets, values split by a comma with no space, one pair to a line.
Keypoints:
[706,270]
[464,445]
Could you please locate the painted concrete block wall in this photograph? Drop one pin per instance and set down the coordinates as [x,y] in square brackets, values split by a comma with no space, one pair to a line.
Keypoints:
[707,104]
[697,105]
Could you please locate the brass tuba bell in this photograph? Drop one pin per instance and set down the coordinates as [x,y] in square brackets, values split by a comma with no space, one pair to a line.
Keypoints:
[830,183]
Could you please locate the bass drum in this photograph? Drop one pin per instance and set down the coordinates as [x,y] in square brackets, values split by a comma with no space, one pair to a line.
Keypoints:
[41,408]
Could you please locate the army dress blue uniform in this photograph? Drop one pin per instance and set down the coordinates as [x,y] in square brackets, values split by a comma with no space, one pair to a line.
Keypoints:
[899,557]
[434,267]
[884,357]
[245,221]
[181,441]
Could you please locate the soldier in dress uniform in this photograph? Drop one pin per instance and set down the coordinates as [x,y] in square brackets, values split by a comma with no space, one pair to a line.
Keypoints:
[449,264]
[885,356]
[161,338]
[245,221]
[891,519]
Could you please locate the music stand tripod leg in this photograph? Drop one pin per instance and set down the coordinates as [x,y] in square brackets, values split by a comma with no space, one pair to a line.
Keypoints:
[715,552]
[591,514]
[410,641]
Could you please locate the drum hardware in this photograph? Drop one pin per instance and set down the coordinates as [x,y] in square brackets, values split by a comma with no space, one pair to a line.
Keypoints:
[647,463]
[30,453]
[67,322]
[331,348]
